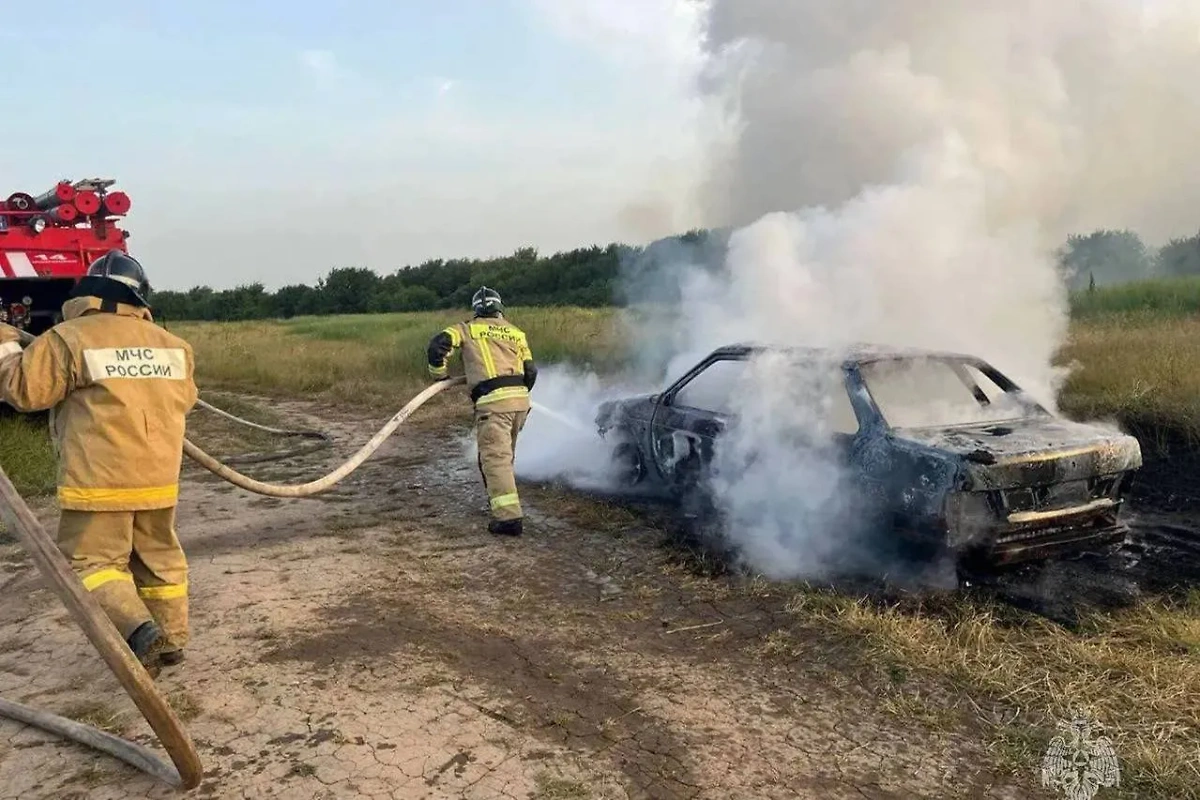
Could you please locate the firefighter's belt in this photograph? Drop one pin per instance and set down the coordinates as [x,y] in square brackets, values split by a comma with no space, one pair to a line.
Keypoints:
[490,385]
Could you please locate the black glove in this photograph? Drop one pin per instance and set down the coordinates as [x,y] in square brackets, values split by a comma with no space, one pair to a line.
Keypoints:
[440,346]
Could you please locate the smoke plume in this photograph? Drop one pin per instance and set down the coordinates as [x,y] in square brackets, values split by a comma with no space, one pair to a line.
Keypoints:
[901,173]
[1080,114]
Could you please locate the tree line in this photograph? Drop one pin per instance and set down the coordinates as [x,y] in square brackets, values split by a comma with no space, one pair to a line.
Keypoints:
[592,277]
[582,277]
[1107,257]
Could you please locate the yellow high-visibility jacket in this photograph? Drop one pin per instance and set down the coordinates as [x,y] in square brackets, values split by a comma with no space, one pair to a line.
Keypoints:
[497,361]
[121,388]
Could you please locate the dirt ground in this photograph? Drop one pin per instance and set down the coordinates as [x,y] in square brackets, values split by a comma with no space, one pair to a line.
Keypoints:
[377,642]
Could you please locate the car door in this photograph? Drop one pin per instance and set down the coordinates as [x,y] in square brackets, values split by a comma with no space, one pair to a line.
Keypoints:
[876,464]
[830,407]
[689,417]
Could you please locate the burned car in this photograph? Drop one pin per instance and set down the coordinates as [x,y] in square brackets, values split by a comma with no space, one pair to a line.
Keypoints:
[946,450]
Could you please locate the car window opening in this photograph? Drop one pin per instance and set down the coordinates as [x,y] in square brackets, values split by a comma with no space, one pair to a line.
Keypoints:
[922,393]
[715,389]
[816,393]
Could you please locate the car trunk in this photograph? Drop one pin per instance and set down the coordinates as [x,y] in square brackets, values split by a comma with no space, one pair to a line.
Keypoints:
[1033,485]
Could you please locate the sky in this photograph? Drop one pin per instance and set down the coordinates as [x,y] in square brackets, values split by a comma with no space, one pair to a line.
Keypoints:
[270,142]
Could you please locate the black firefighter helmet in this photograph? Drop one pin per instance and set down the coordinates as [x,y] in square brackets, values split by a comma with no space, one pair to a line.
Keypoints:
[486,303]
[115,276]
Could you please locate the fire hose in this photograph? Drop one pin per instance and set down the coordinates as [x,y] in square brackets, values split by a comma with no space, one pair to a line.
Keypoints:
[104,636]
[320,484]
[322,439]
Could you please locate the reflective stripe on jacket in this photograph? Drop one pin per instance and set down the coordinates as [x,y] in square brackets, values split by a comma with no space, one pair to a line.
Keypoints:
[497,361]
[121,388]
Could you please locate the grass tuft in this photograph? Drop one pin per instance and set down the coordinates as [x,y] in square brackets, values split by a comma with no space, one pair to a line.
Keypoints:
[552,787]
[99,716]
[27,458]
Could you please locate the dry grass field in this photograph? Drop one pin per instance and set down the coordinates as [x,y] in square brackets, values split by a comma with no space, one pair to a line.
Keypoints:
[1142,368]
[372,358]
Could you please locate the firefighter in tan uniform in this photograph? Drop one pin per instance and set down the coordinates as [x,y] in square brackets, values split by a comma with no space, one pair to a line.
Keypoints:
[120,388]
[500,373]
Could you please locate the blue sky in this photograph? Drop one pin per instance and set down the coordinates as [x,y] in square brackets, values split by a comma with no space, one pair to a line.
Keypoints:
[260,142]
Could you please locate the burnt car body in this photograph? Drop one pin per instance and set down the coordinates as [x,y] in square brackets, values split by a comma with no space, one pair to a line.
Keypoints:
[1005,481]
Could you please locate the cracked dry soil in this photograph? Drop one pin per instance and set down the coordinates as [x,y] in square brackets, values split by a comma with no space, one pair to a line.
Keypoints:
[377,642]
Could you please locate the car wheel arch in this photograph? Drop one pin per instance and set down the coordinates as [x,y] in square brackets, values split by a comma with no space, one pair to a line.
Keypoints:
[629,458]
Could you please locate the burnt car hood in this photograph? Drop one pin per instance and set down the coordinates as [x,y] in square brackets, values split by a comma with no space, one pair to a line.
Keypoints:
[1033,450]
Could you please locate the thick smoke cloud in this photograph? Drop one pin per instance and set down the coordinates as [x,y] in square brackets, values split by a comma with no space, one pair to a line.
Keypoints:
[901,173]
[912,262]
[1082,114]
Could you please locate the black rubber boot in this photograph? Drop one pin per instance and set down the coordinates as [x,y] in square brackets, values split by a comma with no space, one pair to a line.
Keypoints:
[147,643]
[509,527]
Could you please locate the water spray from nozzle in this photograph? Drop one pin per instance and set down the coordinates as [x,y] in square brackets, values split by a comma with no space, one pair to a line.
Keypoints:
[565,420]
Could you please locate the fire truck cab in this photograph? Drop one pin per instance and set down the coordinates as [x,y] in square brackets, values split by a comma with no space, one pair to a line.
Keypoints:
[47,243]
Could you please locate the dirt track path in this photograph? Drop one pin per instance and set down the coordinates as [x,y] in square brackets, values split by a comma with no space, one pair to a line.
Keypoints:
[378,643]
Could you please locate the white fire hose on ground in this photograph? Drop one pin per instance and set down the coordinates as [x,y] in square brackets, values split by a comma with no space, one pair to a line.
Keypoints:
[320,484]
[104,636]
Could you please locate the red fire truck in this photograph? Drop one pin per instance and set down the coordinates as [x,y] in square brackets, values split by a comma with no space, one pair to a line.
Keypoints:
[48,241]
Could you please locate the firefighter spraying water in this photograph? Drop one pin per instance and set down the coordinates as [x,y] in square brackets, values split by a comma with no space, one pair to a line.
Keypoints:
[80,341]
[500,373]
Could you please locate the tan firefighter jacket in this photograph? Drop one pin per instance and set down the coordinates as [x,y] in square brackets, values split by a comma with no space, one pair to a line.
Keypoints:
[499,366]
[120,387]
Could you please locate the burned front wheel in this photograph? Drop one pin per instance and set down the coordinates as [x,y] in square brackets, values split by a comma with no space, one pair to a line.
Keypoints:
[629,466]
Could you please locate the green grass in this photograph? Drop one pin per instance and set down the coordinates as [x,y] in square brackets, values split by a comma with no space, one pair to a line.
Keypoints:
[374,359]
[1163,297]
[26,454]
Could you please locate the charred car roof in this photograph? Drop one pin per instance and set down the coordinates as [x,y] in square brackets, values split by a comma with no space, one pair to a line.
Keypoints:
[858,353]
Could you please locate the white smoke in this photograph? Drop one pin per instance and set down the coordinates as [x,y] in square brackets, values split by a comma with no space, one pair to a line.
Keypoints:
[779,488]
[902,172]
[912,262]
[559,441]
[1079,114]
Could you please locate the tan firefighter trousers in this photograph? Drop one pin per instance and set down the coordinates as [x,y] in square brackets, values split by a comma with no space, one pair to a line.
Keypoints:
[132,563]
[496,436]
